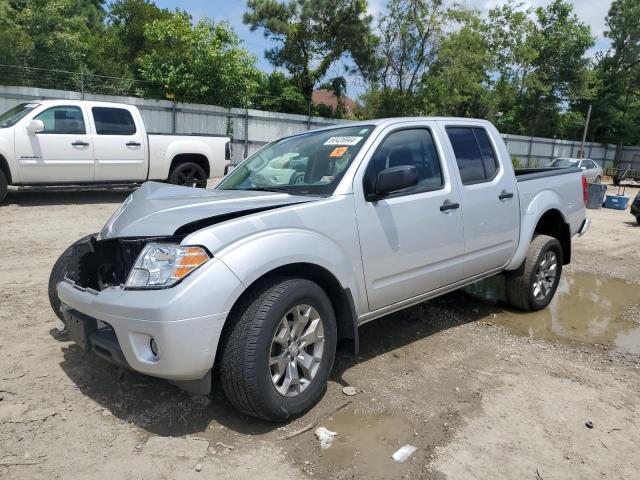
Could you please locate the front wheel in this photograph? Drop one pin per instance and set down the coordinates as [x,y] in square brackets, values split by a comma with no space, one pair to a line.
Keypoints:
[533,285]
[188,174]
[279,352]
[638,219]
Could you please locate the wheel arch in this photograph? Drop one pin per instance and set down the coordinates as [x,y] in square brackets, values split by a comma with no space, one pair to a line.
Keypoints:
[4,166]
[340,297]
[553,224]
[199,158]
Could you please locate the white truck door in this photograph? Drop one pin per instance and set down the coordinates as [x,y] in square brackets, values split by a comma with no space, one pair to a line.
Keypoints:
[411,241]
[119,145]
[489,198]
[61,153]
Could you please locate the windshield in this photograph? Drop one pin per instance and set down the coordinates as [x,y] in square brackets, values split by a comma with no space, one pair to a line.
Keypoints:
[11,117]
[308,164]
[564,163]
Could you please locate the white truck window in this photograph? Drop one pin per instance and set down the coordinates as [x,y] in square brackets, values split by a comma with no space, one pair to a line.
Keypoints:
[113,121]
[474,154]
[63,120]
[408,147]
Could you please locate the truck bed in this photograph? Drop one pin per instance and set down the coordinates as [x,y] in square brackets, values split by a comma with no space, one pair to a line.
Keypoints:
[524,174]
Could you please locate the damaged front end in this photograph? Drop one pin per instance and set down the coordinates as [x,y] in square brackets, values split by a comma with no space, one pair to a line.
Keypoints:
[107,263]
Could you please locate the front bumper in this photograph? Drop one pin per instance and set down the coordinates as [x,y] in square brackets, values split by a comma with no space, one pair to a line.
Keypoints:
[178,319]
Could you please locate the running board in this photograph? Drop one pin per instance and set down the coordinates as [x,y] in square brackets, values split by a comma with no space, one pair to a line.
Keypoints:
[80,186]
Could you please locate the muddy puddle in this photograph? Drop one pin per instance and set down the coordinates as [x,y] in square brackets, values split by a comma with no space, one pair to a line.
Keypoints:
[586,309]
[367,441]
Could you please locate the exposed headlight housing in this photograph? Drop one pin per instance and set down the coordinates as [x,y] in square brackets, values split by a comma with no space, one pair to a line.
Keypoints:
[161,265]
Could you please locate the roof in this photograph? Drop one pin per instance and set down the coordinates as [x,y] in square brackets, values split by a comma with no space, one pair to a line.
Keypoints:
[327,97]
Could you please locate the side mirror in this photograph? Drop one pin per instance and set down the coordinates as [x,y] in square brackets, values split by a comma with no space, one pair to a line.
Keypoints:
[34,126]
[393,179]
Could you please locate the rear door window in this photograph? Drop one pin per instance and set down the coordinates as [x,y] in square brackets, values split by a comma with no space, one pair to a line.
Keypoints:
[113,121]
[474,154]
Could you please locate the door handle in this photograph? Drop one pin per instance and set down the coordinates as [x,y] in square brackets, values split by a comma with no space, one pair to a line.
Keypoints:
[449,205]
[80,143]
[133,144]
[504,195]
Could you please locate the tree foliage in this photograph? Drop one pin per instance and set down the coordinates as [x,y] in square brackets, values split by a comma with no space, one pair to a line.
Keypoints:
[201,61]
[311,36]
[529,70]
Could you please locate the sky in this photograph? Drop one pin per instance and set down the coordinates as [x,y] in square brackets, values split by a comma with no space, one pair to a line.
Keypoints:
[592,12]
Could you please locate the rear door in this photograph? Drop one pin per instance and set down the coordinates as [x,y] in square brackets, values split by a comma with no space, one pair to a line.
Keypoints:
[409,245]
[488,195]
[61,153]
[119,144]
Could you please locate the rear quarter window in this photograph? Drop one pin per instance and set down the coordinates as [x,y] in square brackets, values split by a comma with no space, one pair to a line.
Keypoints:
[113,121]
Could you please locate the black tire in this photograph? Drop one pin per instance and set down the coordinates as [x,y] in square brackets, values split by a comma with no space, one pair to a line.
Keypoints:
[520,283]
[68,261]
[3,186]
[244,365]
[638,219]
[189,174]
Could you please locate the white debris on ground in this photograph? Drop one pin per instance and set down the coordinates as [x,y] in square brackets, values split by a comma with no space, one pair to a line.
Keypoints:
[403,453]
[349,391]
[325,436]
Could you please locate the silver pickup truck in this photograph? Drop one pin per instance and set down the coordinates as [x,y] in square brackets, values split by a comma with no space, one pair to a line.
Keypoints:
[303,242]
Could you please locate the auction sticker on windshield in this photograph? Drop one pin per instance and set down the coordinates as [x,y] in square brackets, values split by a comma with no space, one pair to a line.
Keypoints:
[343,141]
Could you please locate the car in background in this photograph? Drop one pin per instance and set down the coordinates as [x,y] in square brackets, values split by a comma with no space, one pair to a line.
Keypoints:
[591,170]
[635,207]
[78,143]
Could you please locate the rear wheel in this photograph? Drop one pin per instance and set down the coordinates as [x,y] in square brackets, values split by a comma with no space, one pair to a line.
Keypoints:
[279,352]
[69,261]
[3,186]
[188,174]
[533,285]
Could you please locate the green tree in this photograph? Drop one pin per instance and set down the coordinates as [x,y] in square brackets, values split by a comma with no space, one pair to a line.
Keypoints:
[411,32]
[457,82]
[616,109]
[312,35]
[201,62]
[127,19]
[275,92]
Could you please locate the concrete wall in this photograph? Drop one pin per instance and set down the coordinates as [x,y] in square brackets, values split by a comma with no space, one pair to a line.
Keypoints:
[250,129]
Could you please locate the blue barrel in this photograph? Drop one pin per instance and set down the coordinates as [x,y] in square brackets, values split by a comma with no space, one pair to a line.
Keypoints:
[617,202]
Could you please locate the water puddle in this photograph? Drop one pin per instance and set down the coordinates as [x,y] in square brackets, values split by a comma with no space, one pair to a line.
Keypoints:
[586,309]
[367,441]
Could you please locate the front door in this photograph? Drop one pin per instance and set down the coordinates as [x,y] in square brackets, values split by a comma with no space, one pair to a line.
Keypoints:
[62,152]
[490,198]
[410,245]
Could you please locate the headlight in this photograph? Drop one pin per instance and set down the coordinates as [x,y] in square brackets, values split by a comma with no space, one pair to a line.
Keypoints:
[163,265]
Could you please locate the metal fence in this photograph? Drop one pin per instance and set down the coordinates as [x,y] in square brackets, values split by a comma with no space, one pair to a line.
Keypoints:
[250,129]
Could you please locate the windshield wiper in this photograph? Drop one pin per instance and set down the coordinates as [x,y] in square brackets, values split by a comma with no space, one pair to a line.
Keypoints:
[269,189]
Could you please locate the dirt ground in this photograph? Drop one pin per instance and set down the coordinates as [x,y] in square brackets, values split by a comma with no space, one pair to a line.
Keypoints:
[480,390]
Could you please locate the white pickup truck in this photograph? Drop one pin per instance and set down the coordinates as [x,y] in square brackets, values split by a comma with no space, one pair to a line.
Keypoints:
[307,239]
[74,142]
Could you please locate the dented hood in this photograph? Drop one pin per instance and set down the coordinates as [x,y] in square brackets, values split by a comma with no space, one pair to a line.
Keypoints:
[158,209]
